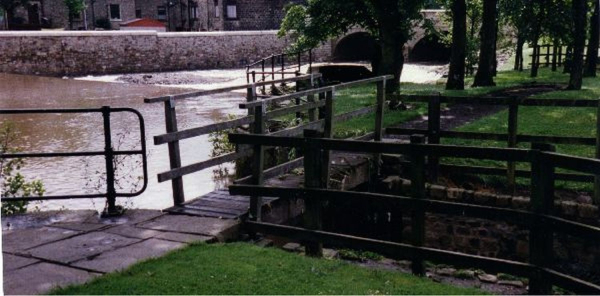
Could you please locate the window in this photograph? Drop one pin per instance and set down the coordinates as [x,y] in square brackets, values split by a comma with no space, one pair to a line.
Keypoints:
[114,12]
[194,11]
[162,12]
[138,13]
[231,11]
[217,10]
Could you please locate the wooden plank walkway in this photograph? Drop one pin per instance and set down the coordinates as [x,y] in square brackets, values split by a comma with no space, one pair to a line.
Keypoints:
[217,204]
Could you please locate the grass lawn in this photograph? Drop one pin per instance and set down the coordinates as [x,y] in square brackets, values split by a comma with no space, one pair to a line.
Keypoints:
[241,268]
[547,121]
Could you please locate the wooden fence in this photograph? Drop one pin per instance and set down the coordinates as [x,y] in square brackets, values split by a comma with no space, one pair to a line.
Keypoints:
[258,115]
[434,133]
[541,223]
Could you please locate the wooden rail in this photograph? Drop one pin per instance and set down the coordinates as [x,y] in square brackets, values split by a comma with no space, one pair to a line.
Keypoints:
[512,138]
[316,98]
[540,222]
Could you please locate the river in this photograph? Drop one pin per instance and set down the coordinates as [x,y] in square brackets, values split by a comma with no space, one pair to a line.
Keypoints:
[68,133]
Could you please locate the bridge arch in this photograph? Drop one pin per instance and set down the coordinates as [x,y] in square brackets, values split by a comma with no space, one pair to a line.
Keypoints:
[429,49]
[357,46]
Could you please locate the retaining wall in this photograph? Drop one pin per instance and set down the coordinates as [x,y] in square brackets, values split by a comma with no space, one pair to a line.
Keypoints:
[110,52]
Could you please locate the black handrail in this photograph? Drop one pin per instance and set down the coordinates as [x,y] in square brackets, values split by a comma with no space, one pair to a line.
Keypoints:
[111,194]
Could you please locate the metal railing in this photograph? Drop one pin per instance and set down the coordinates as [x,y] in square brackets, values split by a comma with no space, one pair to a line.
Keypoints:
[268,68]
[109,154]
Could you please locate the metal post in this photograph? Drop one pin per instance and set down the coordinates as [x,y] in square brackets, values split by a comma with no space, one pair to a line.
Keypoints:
[174,152]
[111,194]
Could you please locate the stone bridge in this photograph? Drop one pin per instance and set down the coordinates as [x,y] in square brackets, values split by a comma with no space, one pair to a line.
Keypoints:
[358,45]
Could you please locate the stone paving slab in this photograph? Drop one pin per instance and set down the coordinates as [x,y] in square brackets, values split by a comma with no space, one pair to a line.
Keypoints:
[82,241]
[84,227]
[124,257]
[133,232]
[222,229]
[185,238]
[81,246]
[129,217]
[36,220]
[12,262]
[42,277]
[21,240]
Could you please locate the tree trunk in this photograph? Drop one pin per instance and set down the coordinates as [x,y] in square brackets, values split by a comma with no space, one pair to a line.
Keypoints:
[456,76]
[579,20]
[519,53]
[535,65]
[485,71]
[391,60]
[594,42]
[70,21]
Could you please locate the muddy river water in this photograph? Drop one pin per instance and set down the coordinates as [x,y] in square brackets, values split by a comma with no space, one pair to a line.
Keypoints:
[83,132]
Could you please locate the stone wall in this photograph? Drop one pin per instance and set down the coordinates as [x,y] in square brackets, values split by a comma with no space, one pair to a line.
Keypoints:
[256,14]
[83,53]
[574,255]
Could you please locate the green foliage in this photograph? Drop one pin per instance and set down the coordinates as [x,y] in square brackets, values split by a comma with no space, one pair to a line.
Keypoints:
[13,183]
[75,6]
[239,268]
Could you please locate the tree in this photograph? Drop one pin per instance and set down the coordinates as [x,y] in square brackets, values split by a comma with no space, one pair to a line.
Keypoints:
[9,7]
[12,182]
[579,20]
[390,22]
[456,76]
[485,70]
[593,44]
[75,7]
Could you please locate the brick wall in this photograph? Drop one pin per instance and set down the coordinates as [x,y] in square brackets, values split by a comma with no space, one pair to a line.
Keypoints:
[83,53]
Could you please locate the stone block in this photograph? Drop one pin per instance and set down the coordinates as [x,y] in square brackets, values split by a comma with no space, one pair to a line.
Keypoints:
[40,278]
[185,238]
[124,257]
[82,246]
[132,231]
[455,194]
[503,200]
[28,238]
[222,229]
[12,262]
[520,203]
[568,208]
[587,211]
[488,278]
[437,192]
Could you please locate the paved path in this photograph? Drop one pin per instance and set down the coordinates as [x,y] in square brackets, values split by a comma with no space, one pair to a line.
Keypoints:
[44,250]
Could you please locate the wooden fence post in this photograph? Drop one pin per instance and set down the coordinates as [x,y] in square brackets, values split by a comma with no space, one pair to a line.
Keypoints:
[257,160]
[597,178]
[312,112]
[313,179]
[381,89]
[264,78]
[418,192]
[513,120]
[327,133]
[541,237]
[174,152]
[434,128]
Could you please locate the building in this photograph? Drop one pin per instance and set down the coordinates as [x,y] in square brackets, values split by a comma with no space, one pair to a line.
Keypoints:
[177,15]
